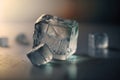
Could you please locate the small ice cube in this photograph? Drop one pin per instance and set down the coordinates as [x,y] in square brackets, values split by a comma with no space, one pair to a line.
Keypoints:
[98,40]
[3,42]
[22,39]
[40,55]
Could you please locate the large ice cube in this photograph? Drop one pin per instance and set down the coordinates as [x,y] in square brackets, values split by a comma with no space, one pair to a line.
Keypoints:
[60,35]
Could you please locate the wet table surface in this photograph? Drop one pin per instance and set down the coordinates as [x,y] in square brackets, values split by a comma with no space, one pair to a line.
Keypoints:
[14,64]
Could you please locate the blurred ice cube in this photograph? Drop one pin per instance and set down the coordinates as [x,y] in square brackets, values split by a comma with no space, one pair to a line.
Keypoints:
[3,42]
[22,39]
[98,44]
[98,40]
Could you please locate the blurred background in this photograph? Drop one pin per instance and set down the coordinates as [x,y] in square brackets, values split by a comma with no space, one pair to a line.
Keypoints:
[99,11]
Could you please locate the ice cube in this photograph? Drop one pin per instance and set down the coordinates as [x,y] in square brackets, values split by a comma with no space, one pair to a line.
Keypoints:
[59,34]
[22,39]
[98,40]
[3,42]
[40,55]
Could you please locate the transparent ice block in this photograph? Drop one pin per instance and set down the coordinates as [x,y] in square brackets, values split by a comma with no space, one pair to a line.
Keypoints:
[60,35]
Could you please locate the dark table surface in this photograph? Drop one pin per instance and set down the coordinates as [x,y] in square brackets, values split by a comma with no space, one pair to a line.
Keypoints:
[14,64]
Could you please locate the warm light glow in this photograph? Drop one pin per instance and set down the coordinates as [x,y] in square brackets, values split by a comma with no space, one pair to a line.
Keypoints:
[23,10]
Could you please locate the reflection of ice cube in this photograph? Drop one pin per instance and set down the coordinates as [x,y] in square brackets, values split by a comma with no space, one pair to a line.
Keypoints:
[98,52]
[60,35]
[3,42]
[40,55]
